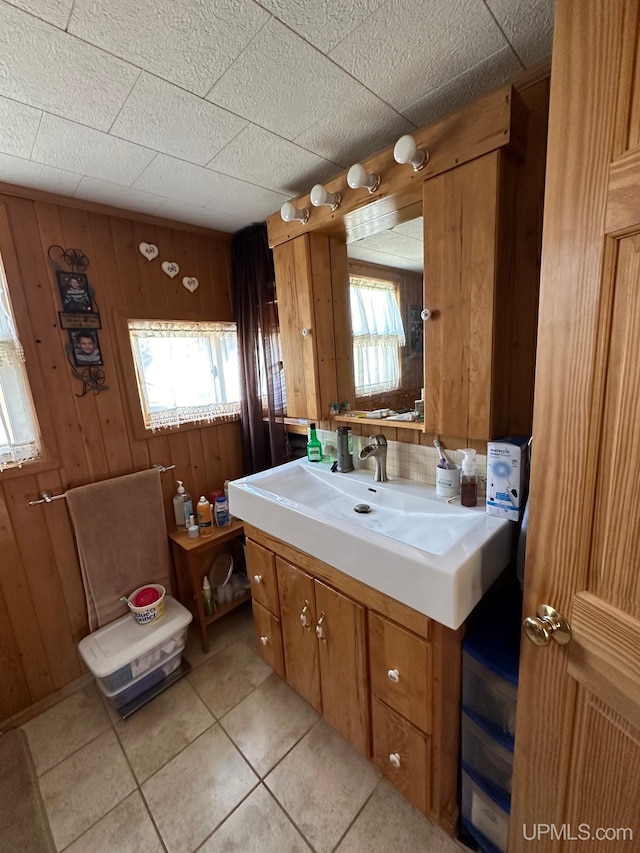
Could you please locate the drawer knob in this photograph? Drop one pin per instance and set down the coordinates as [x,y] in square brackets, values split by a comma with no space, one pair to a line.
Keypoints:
[394,758]
[304,616]
[257,578]
[393,675]
[264,640]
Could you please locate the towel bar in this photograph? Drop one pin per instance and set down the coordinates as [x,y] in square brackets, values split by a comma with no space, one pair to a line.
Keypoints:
[47,497]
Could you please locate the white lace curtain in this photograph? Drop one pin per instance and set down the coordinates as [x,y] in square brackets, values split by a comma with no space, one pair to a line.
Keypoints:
[19,439]
[186,371]
[378,334]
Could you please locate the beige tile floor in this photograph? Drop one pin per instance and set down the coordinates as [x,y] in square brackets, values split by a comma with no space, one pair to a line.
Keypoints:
[228,759]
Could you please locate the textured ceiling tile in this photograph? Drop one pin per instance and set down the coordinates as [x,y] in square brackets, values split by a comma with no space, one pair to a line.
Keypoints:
[162,116]
[80,149]
[412,228]
[262,158]
[18,127]
[354,130]
[26,173]
[324,22]
[104,192]
[190,43]
[56,12]
[528,24]
[201,216]
[44,67]
[393,243]
[282,83]
[182,181]
[247,200]
[362,253]
[483,77]
[408,48]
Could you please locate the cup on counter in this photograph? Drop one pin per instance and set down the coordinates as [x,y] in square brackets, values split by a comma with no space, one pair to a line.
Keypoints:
[447,482]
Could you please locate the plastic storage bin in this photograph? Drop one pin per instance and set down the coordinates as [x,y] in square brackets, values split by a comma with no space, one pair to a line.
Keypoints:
[123,651]
[485,814]
[119,698]
[487,695]
[486,757]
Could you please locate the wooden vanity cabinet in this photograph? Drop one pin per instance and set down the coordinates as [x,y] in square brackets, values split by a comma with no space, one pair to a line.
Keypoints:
[266,612]
[383,675]
[324,646]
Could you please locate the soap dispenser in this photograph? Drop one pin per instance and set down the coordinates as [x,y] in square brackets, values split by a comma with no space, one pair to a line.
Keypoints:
[182,507]
[469,478]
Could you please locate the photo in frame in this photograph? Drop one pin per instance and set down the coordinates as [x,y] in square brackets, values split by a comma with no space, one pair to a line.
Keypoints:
[74,292]
[85,347]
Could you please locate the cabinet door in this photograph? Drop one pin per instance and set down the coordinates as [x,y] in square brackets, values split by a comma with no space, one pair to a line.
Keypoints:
[298,622]
[460,240]
[269,638]
[343,668]
[262,575]
[305,309]
[401,670]
[402,754]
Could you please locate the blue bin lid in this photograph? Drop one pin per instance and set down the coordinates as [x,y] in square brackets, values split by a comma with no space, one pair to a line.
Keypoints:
[494,637]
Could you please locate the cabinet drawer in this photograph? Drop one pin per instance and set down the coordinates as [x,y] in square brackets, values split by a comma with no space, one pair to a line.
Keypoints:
[400,664]
[268,638]
[402,754]
[262,573]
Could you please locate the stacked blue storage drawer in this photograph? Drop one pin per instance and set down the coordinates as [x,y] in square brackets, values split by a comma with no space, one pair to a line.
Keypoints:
[489,694]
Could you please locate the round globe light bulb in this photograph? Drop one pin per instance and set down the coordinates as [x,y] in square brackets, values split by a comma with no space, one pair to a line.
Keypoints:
[290,213]
[406,151]
[319,196]
[358,177]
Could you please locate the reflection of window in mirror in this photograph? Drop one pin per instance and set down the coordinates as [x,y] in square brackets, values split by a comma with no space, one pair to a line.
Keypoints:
[385,275]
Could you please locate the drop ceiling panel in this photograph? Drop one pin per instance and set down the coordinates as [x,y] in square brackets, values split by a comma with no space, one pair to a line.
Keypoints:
[44,67]
[67,145]
[56,12]
[188,43]
[471,84]
[528,24]
[413,228]
[163,116]
[408,47]
[371,256]
[282,83]
[246,200]
[114,195]
[24,173]
[180,181]
[354,129]
[267,160]
[324,23]
[200,216]
[18,127]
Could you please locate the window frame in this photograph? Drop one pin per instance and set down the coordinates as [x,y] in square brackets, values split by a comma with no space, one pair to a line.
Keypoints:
[127,370]
[49,456]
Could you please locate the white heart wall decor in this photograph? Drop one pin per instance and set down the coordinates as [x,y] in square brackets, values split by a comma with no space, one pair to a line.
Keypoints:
[170,268]
[149,251]
[191,283]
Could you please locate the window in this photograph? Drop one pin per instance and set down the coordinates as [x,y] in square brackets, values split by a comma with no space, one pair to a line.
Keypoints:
[378,334]
[19,433]
[186,372]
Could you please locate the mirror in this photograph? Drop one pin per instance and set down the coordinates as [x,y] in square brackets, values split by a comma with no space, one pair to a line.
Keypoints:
[386,299]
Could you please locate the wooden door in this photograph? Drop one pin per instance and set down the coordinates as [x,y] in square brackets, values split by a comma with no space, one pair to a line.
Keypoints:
[343,665]
[298,622]
[305,310]
[577,756]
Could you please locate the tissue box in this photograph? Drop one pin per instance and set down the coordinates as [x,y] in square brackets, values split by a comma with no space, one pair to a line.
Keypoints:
[506,477]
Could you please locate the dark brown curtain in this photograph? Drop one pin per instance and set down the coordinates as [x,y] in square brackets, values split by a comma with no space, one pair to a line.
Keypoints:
[263,403]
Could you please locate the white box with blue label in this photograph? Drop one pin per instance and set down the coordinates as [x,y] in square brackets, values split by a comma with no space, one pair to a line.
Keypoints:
[506,477]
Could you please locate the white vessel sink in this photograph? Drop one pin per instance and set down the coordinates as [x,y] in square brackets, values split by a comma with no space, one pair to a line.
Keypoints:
[437,558]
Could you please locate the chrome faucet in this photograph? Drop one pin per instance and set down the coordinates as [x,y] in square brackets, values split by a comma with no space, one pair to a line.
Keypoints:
[378,449]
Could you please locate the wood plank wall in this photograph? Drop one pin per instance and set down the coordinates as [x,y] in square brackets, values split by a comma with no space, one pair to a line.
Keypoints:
[42,607]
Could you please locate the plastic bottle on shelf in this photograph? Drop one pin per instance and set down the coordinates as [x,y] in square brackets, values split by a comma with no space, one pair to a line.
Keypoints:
[314,447]
[221,512]
[182,507]
[207,598]
[204,517]
[193,531]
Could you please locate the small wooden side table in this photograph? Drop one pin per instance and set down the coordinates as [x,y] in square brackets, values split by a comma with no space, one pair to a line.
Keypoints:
[191,568]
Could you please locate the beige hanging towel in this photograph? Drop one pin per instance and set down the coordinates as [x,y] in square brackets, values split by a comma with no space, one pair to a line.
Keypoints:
[121,536]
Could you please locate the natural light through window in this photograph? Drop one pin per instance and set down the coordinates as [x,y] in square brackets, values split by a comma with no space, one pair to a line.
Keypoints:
[378,334]
[19,434]
[187,372]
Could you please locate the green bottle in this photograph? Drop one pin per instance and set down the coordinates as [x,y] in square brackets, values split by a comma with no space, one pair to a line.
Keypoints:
[314,448]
